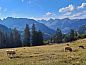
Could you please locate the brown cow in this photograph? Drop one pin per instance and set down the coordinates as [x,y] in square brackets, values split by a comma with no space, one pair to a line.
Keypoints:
[81,47]
[68,49]
[11,53]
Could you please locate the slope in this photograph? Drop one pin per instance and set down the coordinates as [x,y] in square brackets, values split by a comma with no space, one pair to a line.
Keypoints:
[47,55]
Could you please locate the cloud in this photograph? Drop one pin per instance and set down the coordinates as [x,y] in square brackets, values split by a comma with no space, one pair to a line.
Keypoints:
[68,13]
[69,8]
[49,14]
[83,5]
[46,16]
[39,18]
[79,14]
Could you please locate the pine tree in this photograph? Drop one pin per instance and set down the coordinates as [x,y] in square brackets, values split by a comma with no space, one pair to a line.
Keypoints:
[11,40]
[76,35]
[66,38]
[58,36]
[72,35]
[1,39]
[26,40]
[34,35]
[51,39]
[37,36]
[40,38]
[16,38]
[6,40]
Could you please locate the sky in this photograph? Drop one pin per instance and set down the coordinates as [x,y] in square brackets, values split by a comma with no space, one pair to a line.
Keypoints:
[43,9]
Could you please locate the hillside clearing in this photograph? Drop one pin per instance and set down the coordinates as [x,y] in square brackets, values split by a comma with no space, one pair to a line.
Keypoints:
[46,55]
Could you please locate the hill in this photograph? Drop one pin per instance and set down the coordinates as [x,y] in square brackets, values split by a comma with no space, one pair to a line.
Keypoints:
[47,55]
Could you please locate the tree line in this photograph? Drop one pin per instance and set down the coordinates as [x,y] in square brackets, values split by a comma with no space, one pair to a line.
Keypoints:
[29,37]
[33,37]
[59,37]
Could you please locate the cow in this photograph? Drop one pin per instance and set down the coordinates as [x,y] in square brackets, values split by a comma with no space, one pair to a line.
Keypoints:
[68,49]
[81,47]
[11,53]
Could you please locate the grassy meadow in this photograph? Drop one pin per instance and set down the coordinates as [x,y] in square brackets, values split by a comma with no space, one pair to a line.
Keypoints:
[46,55]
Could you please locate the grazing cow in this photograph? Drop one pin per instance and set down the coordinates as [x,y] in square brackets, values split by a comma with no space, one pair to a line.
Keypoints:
[68,49]
[11,53]
[81,47]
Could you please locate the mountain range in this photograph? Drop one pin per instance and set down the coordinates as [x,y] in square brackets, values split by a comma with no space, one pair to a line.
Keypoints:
[64,24]
[46,26]
[20,23]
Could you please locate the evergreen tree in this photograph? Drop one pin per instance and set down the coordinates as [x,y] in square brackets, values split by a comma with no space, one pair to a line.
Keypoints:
[82,29]
[6,40]
[72,35]
[37,37]
[58,36]
[54,38]
[34,35]
[76,35]
[16,38]
[1,39]
[40,38]
[11,40]
[66,38]
[26,40]
[51,39]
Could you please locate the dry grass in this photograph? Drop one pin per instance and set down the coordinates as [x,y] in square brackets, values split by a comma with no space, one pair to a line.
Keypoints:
[46,55]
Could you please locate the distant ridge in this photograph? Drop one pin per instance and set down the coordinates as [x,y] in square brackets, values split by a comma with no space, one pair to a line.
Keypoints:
[64,24]
[20,23]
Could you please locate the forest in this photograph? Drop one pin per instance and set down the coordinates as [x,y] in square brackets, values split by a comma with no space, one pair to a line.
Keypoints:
[33,37]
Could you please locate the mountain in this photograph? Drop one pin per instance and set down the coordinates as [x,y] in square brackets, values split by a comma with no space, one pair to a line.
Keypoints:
[46,26]
[82,29]
[20,23]
[64,24]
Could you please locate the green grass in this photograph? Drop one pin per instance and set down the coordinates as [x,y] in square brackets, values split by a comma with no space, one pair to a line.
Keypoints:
[46,55]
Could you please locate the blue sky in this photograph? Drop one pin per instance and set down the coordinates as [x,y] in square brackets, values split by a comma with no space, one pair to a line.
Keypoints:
[43,9]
